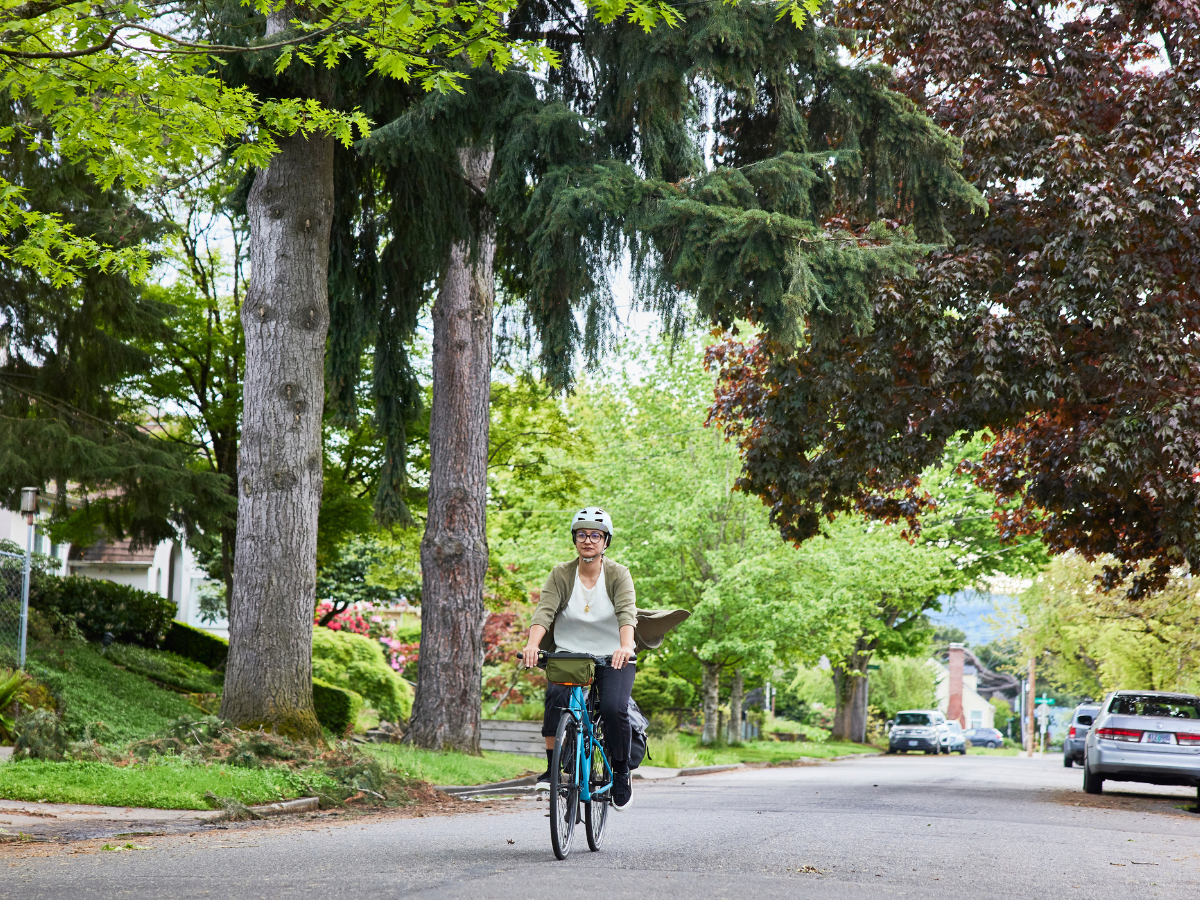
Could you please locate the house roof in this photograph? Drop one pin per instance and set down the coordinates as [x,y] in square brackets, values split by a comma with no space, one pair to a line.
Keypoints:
[112,553]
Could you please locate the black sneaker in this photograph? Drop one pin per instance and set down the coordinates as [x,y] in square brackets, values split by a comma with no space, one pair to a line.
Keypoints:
[622,791]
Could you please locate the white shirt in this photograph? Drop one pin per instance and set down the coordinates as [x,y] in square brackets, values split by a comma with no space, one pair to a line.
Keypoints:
[588,624]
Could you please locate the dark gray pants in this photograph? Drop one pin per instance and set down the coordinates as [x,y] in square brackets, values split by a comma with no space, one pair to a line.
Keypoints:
[613,687]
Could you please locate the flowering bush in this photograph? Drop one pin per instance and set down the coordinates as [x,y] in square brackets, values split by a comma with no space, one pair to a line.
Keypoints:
[363,620]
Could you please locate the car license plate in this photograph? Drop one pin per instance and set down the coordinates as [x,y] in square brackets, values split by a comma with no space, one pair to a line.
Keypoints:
[1155,737]
[912,743]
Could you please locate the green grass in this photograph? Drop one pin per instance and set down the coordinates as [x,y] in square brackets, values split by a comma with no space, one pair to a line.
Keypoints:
[454,768]
[762,751]
[996,751]
[163,784]
[92,690]
[167,668]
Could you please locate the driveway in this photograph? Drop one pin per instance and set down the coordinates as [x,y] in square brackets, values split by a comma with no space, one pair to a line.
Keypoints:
[877,827]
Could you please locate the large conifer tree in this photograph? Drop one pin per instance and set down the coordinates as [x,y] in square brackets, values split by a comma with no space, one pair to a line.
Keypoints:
[819,182]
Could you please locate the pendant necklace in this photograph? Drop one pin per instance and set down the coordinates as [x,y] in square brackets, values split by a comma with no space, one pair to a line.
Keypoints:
[587,595]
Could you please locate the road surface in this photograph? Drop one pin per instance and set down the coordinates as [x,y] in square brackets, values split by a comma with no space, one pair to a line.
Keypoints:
[888,826]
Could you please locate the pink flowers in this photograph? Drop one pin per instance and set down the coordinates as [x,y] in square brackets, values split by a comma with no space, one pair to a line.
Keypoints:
[363,620]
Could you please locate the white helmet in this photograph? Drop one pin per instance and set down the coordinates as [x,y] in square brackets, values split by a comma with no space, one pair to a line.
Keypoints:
[592,517]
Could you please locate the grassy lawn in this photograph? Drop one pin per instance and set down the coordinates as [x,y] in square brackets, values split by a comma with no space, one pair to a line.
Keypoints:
[680,751]
[119,705]
[161,785]
[996,751]
[455,768]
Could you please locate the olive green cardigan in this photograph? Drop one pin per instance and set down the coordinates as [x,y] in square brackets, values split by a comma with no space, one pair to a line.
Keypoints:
[650,626]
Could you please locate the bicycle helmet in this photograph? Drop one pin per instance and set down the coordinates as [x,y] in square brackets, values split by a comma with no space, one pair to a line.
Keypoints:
[593,517]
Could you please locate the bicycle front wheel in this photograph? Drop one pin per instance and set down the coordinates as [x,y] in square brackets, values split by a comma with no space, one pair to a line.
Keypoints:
[595,812]
[564,786]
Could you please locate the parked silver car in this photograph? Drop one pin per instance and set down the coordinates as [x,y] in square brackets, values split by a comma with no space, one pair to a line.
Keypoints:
[1076,740]
[1147,736]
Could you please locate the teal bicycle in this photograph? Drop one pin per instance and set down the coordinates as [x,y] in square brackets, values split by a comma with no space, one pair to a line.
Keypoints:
[581,778]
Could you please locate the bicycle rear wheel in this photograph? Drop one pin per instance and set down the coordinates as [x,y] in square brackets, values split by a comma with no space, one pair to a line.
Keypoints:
[564,788]
[595,812]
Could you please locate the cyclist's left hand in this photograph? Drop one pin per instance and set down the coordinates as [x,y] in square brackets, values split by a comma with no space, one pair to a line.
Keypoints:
[622,656]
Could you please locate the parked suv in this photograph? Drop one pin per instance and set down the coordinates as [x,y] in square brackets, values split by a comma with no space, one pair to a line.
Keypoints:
[984,737]
[1074,744]
[1147,736]
[917,729]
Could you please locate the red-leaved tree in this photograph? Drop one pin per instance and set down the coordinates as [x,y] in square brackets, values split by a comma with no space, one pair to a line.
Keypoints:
[1066,321]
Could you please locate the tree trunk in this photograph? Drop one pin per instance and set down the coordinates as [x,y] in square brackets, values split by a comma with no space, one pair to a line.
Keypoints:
[454,552]
[850,714]
[735,707]
[710,683]
[268,676]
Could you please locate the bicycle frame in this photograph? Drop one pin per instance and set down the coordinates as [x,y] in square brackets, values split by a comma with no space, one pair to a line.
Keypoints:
[587,738]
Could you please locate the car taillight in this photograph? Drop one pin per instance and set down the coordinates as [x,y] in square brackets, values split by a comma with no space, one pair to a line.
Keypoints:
[1187,740]
[1119,734]
[1071,732]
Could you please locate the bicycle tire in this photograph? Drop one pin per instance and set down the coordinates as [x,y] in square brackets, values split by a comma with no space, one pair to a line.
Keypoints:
[564,789]
[595,811]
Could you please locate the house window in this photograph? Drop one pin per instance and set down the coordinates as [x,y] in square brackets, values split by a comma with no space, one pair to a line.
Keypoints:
[977,718]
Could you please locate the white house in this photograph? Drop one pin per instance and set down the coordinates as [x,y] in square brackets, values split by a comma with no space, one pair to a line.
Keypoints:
[169,569]
[975,710]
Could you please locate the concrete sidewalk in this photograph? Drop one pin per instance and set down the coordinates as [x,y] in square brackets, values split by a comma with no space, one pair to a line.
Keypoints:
[23,820]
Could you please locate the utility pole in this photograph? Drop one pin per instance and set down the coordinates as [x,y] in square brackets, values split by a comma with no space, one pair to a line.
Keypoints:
[1030,710]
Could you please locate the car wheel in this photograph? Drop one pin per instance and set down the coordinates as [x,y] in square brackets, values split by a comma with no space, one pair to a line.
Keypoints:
[962,751]
[1067,762]
[992,745]
[1091,783]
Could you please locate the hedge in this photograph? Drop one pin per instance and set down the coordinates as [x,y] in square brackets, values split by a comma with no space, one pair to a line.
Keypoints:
[337,708]
[195,644]
[131,615]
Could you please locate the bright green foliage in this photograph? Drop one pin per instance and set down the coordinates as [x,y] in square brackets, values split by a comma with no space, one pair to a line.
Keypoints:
[1004,713]
[115,706]
[357,662]
[166,668]
[964,522]
[161,784]
[1100,641]
[903,682]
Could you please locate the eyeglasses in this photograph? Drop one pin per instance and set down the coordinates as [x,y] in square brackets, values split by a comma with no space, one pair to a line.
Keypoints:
[593,536]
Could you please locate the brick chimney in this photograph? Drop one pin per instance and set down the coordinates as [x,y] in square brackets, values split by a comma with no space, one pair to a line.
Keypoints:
[954,710]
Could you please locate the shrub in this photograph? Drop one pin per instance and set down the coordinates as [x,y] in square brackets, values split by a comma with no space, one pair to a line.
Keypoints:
[40,735]
[337,707]
[195,644]
[14,688]
[358,663]
[96,607]
[657,692]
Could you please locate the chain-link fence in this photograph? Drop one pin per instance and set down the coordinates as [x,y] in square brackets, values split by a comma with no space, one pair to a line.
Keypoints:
[12,571]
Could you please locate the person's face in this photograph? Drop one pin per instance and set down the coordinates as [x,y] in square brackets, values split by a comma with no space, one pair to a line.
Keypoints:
[589,542]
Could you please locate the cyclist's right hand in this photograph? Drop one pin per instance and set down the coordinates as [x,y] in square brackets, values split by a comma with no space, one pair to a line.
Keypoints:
[529,656]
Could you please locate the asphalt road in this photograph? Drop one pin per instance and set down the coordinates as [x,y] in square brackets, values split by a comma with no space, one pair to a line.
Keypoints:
[888,826]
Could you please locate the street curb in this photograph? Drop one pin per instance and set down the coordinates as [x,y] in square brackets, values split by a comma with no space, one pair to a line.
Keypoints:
[287,807]
[705,770]
[456,789]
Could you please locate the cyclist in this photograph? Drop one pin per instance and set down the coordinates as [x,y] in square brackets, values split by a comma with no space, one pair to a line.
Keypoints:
[588,606]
